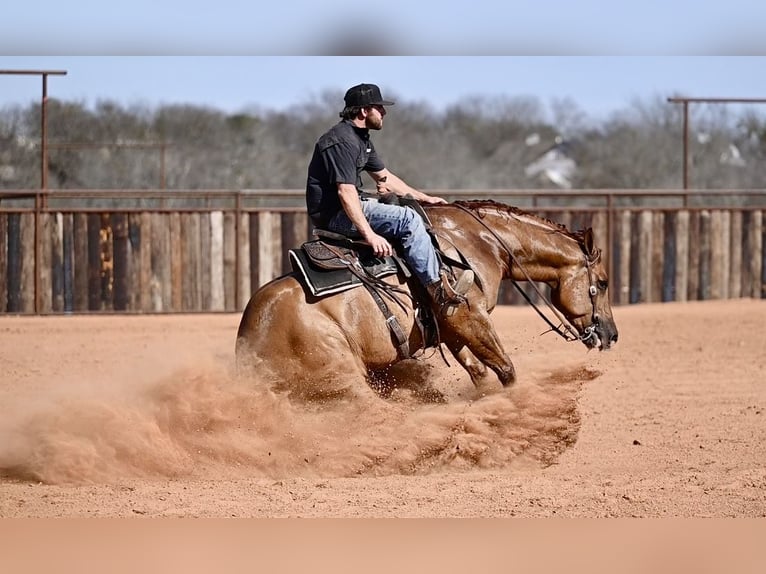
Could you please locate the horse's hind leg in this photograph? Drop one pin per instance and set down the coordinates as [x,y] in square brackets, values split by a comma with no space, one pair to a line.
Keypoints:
[336,375]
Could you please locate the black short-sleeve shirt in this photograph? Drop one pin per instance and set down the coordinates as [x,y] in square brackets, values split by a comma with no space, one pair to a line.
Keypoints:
[340,156]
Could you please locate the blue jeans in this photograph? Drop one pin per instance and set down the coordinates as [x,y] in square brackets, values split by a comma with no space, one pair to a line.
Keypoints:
[400,224]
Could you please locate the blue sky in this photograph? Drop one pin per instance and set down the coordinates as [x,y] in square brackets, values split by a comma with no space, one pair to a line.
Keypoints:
[599,85]
[237,54]
[427,27]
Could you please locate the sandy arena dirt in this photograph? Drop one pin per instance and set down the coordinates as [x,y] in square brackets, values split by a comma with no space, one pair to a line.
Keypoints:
[144,416]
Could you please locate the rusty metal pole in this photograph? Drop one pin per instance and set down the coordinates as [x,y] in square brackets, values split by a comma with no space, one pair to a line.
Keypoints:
[237,261]
[686,102]
[610,241]
[42,199]
[44,135]
[686,145]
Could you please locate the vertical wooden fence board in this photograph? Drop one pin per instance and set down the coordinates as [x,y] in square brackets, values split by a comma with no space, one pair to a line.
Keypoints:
[757,266]
[682,255]
[145,263]
[161,293]
[736,244]
[579,220]
[4,262]
[107,262]
[94,262]
[196,247]
[265,260]
[762,274]
[15,263]
[229,260]
[599,224]
[625,235]
[704,255]
[293,226]
[135,239]
[725,248]
[645,252]
[67,246]
[27,263]
[187,265]
[217,291]
[243,273]
[255,250]
[176,263]
[45,262]
[693,286]
[669,264]
[57,262]
[716,255]
[204,261]
[657,255]
[199,261]
[121,261]
[276,246]
[80,249]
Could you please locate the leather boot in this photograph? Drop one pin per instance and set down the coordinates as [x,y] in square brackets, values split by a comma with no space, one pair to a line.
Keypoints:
[447,295]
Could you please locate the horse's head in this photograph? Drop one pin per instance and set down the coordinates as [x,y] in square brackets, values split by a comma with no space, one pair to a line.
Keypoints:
[581,294]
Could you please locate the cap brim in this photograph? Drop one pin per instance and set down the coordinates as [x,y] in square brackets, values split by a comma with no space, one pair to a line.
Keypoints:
[382,103]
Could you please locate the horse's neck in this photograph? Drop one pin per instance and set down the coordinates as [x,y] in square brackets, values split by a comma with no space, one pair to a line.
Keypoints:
[537,245]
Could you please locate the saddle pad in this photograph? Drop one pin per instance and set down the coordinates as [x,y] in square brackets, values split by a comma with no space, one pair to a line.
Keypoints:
[325,282]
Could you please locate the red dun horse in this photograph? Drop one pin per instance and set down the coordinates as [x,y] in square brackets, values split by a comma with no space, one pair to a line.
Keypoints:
[330,346]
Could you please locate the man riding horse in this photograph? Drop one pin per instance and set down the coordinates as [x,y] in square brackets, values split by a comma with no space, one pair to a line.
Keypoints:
[336,201]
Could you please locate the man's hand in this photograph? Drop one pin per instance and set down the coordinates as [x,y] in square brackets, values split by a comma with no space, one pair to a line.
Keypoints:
[381,186]
[432,199]
[380,246]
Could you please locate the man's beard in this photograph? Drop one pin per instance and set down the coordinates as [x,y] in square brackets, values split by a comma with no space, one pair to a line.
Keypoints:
[373,123]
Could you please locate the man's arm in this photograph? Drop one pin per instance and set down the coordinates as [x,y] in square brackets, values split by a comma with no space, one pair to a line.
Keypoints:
[388,182]
[349,199]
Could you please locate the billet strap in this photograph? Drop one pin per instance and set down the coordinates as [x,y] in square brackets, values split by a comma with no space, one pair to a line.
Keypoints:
[391,321]
[374,286]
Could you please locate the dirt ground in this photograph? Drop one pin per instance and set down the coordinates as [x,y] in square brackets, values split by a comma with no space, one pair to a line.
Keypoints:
[145,416]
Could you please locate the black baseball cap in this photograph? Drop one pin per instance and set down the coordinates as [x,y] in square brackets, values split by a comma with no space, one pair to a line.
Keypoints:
[365,95]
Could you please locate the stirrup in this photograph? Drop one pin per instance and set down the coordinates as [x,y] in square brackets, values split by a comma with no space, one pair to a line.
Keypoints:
[448,297]
[457,291]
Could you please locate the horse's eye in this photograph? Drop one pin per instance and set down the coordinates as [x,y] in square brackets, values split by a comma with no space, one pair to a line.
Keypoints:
[602,285]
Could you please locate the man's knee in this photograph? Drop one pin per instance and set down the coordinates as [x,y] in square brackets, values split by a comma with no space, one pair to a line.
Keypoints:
[413,220]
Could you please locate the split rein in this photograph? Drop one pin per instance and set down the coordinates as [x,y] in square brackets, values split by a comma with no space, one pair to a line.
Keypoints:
[563,329]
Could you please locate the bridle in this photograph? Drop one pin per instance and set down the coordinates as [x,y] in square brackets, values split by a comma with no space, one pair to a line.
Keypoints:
[564,328]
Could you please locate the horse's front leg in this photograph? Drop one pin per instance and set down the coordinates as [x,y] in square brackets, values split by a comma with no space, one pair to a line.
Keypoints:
[471,336]
[481,376]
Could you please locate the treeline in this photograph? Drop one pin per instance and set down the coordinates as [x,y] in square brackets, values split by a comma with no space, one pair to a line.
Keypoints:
[479,143]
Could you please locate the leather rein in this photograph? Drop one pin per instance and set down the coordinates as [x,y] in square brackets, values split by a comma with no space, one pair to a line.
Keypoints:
[564,329]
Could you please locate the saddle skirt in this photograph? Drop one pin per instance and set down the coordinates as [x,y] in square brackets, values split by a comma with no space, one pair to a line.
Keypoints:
[323,267]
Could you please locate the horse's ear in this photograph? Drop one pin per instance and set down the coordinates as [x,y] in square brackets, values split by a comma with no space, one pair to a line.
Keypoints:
[589,243]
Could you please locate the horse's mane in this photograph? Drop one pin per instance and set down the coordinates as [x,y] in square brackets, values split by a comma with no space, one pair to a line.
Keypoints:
[476,204]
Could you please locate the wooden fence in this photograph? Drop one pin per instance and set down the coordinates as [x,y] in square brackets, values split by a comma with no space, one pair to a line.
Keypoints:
[135,253]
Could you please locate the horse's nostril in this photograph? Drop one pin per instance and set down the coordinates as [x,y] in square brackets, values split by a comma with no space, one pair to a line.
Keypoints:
[613,338]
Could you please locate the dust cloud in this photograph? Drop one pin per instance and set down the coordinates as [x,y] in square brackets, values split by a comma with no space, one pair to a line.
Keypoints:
[207,423]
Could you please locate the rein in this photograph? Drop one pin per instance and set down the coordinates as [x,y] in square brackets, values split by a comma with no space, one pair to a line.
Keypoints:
[563,329]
